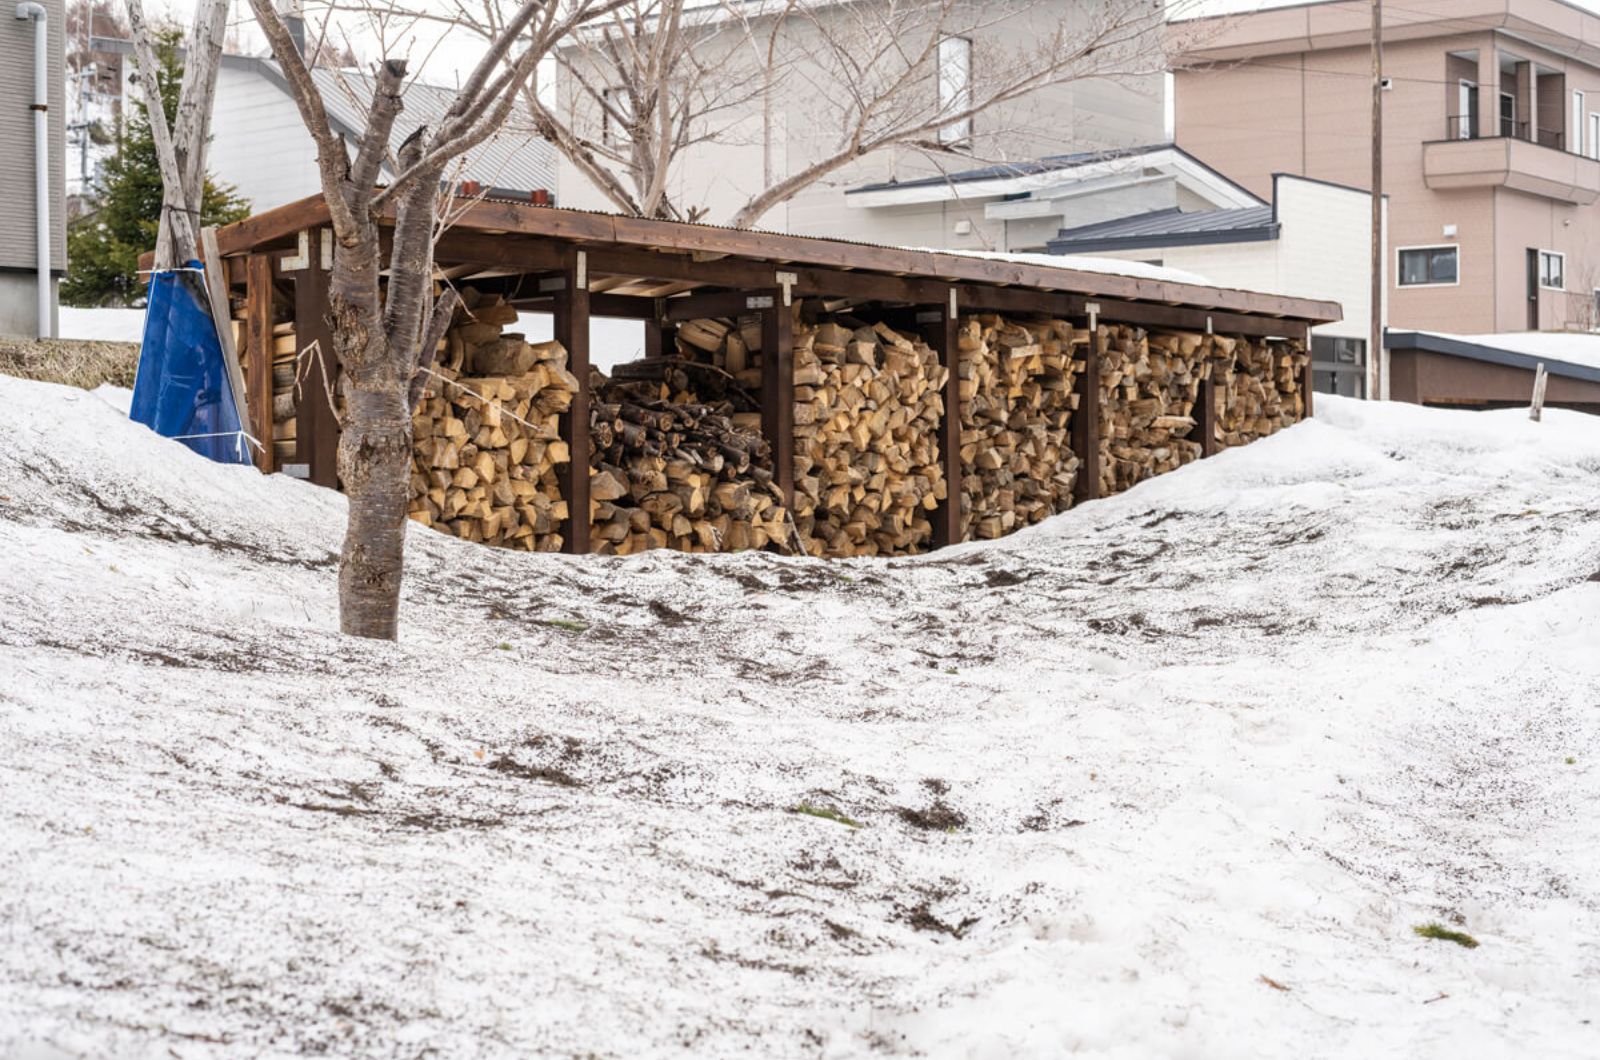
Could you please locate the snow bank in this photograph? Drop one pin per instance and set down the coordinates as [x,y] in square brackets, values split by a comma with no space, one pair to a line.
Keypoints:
[101,325]
[1249,722]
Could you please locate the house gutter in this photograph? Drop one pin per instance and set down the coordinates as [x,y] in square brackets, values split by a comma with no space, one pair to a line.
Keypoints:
[35,12]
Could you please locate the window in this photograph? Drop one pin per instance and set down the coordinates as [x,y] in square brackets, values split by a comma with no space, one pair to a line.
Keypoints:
[614,133]
[1577,123]
[1552,270]
[1593,143]
[1467,110]
[1508,114]
[955,88]
[1429,266]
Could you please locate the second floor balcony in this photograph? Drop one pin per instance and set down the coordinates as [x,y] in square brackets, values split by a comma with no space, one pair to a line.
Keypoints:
[1525,158]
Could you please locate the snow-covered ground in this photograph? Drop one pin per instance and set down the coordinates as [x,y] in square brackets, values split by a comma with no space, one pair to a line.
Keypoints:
[1173,775]
[100,324]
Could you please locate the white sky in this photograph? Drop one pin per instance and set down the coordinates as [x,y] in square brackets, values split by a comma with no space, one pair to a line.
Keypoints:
[441,54]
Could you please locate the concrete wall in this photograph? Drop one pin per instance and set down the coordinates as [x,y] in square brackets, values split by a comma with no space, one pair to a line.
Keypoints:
[18,308]
[720,176]
[17,206]
[1308,111]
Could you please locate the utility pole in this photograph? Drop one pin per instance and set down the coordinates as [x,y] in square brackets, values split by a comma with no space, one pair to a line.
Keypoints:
[1378,357]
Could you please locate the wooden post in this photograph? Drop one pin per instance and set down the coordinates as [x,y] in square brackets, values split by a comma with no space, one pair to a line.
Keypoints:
[572,331]
[1308,379]
[658,334]
[1086,417]
[1205,411]
[258,353]
[939,330]
[1541,379]
[777,391]
[317,445]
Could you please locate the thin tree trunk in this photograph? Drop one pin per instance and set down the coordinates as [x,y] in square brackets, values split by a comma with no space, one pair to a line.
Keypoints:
[375,447]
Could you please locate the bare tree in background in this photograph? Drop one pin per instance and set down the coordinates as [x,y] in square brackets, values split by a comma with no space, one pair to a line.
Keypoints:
[381,330]
[661,78]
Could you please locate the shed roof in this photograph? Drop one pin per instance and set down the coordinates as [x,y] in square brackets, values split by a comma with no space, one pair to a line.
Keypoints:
[1575,356]
[1169,228]
[630,255]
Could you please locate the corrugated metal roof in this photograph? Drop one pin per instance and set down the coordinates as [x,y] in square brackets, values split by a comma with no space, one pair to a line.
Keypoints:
[512,158]
[1004,170]
[1169,227]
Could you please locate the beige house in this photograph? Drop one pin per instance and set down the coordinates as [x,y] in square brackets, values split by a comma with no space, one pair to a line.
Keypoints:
[1491,142]
[727,162]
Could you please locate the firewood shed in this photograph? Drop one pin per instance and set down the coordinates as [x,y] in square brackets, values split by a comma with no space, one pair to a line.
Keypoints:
[1037,385]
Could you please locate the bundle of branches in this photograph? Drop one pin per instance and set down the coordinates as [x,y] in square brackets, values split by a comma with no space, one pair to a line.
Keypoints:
[673,469]
[487,437]
[1017,462]
[1148,385]
[1258,385]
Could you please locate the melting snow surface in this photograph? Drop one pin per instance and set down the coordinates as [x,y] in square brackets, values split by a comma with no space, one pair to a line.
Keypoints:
[1172,775]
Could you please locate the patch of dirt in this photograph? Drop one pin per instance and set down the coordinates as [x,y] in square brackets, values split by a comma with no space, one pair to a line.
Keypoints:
[939,817]
[549,774]
[921,918]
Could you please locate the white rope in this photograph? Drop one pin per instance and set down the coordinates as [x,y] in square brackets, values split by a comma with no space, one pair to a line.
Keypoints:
[239,437]
[501,408]
[163,272]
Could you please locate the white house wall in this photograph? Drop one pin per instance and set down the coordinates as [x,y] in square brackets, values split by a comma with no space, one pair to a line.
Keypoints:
[259,143]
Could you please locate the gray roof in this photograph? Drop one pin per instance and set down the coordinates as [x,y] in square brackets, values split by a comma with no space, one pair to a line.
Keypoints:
[1027,168]
[1168,228]
[513,159]
[1474,351]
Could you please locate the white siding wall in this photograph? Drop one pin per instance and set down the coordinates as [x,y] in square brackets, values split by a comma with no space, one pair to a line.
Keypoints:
[259,143]
[1322,251]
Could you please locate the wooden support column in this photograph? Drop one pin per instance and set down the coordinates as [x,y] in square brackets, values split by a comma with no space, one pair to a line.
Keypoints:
[317,443]
[1086,417]
[1308,376]
[258,354]
[777,391]
[659,334]
[572,331]
[938,328]
[1205,411]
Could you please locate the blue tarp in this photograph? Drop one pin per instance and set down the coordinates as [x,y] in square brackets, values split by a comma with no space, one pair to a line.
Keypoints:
[182,390]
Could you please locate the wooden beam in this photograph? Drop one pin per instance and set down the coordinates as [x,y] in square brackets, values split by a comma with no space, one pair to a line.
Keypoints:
[1086,421]
[777,392]
[1205,410]
[1308,376]
[317,442]
[938,325]
[572,331]
[606,306]
[717,304]
[258,354]
[216,282]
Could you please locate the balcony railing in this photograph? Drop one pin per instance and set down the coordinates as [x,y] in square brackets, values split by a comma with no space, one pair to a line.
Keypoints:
[1463,127]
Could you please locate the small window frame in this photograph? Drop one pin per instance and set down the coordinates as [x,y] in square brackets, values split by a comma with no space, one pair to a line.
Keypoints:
[1546,256]
[1399,258]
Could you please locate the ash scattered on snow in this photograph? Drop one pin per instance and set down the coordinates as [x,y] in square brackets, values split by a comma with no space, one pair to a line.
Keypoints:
[1174,774]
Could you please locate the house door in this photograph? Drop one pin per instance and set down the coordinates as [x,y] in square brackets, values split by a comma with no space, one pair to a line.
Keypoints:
[1533,289]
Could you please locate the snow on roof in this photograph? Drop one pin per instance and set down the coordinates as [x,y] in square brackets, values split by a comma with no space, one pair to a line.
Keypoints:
[1254,719]
[1083,263]
[1579,348]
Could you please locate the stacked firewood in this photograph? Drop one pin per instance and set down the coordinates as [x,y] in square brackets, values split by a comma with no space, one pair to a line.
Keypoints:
[1017,401]
[487,437]
[1148,386]
[868,401]
[1258,384]
[673,469]
[285,394]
